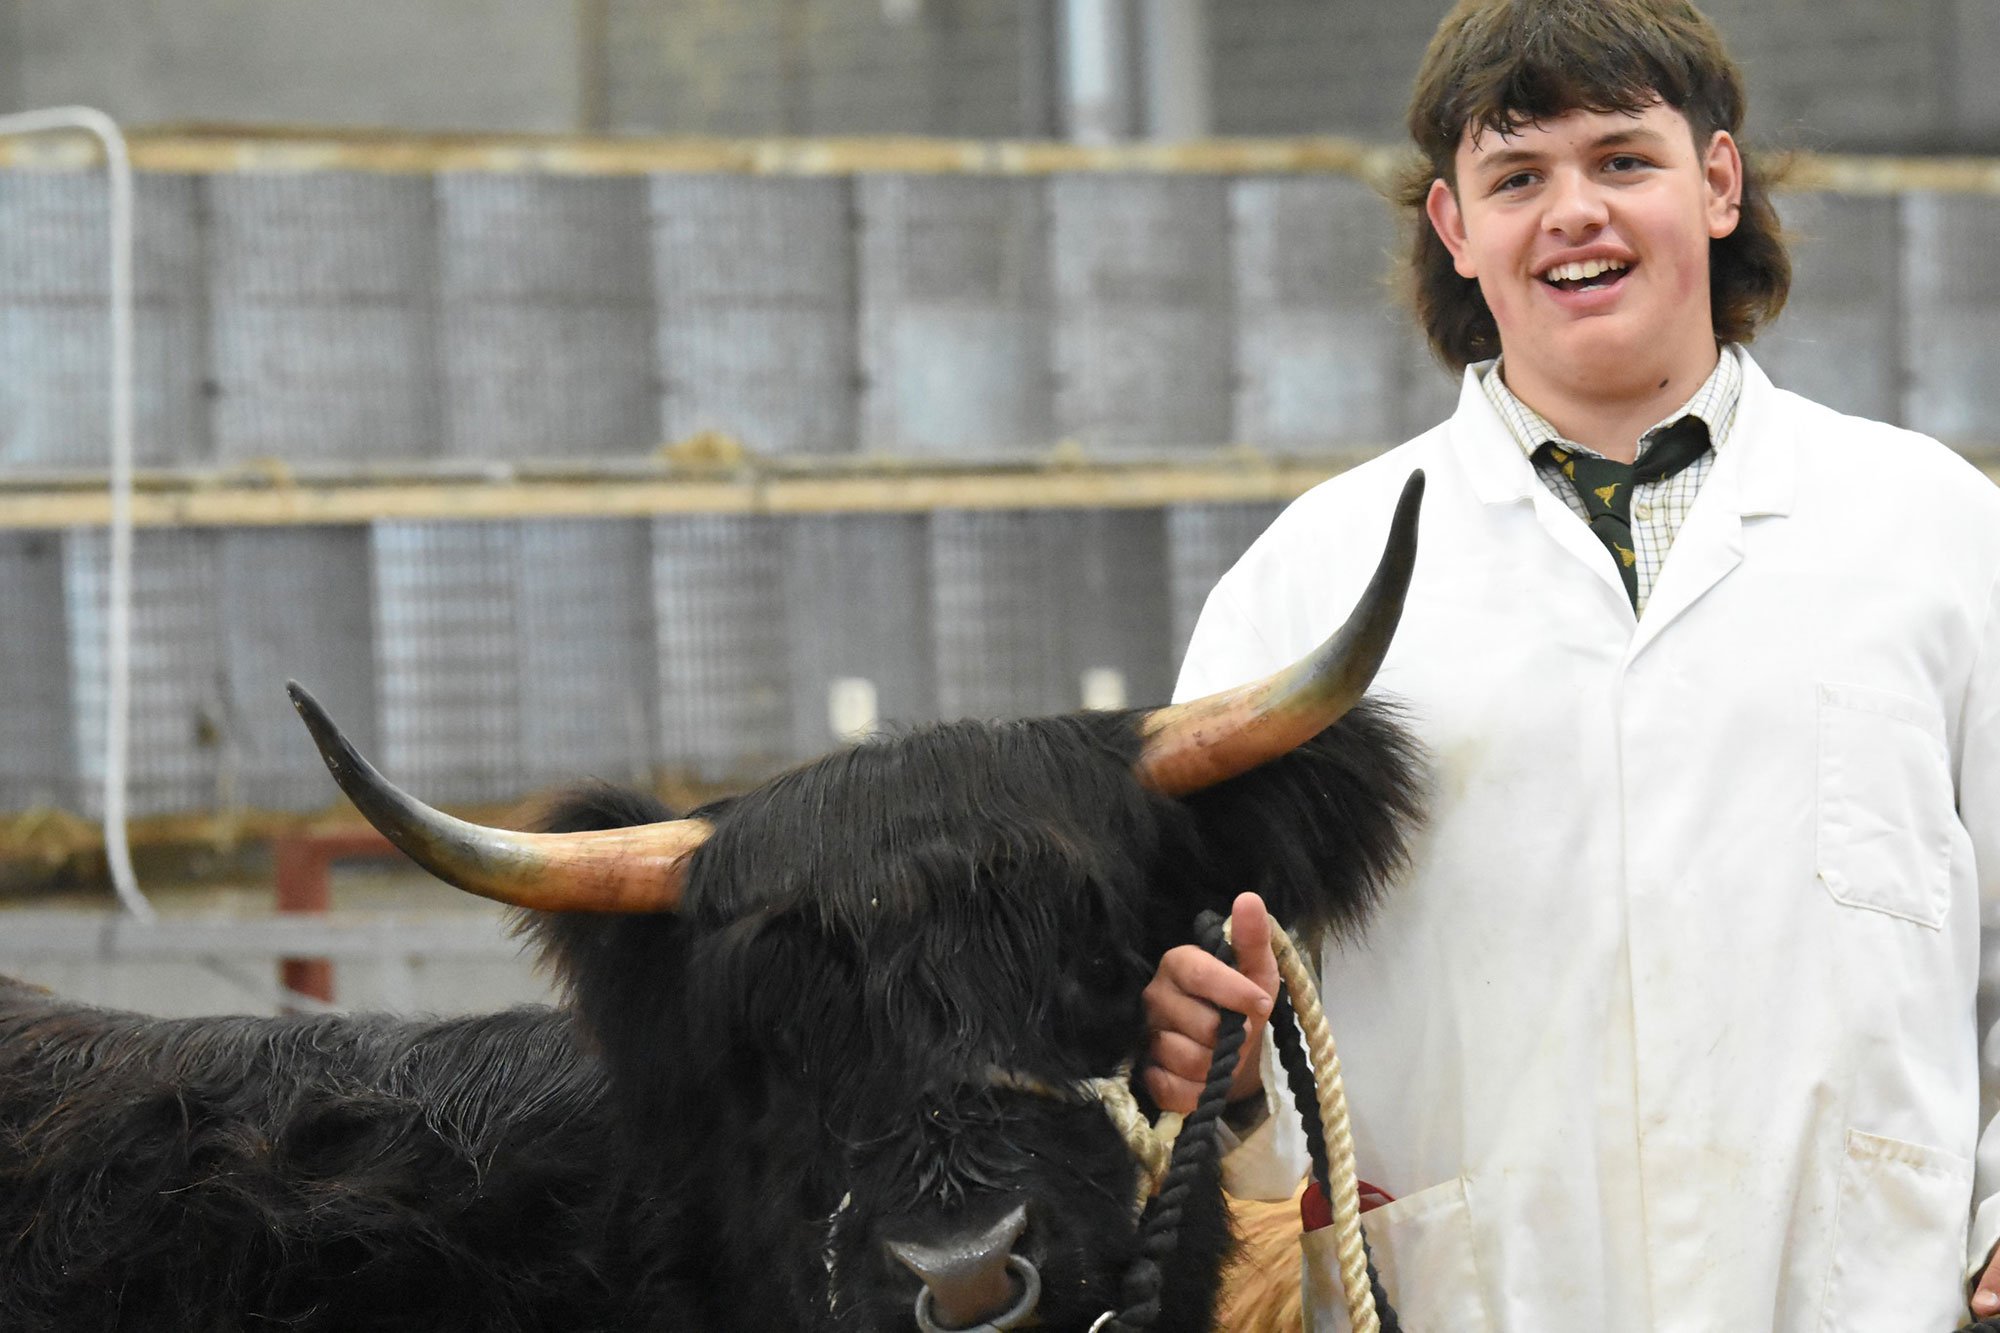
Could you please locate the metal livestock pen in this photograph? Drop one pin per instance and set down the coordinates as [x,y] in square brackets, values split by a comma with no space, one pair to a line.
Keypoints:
[682,459]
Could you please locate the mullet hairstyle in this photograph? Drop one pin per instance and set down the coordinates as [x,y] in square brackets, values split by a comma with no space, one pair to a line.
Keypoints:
[1499,65]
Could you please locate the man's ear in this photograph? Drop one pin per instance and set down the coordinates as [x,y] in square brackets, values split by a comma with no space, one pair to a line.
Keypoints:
[1441,207]
[1722,173]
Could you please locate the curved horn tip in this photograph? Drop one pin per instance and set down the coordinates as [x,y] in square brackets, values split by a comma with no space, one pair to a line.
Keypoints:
[327,738]
[1411,498]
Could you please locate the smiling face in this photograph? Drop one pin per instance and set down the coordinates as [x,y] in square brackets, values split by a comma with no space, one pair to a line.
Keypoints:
[1589,236]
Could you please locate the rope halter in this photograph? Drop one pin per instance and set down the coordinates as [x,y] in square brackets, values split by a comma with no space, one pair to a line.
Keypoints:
[1151,1144]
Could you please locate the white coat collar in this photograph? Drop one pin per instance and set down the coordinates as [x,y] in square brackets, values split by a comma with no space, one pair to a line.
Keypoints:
[1757,472]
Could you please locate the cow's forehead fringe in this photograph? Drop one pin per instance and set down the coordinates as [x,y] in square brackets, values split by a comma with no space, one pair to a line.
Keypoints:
[902,822]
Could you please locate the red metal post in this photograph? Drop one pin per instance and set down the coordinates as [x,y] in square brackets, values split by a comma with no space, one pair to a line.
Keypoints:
[302,863]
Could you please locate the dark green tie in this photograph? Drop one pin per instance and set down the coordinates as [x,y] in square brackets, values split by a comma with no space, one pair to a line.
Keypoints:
[1605,487]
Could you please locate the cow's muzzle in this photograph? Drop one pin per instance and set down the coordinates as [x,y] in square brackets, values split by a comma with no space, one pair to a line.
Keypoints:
[973,1282]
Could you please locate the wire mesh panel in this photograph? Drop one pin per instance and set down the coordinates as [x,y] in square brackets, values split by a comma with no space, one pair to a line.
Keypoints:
[718,605]
[1042,612]
[1203,541]
[585,620]
[1142,282]
[954,314]
[548,316]
[857,593]
[1953,313]
[754,282]
[447,671]
[1838,340]
[178,709]
[296,608]
[37,751]
[999,650]
[1117,605]
[1316,343]
[324,294]
[55,339]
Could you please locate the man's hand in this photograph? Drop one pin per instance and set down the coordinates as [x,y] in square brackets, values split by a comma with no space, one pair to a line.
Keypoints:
[1182,1000]
[1986,1296]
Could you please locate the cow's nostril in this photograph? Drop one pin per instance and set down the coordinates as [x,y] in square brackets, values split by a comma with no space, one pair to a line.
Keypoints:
[973,1281]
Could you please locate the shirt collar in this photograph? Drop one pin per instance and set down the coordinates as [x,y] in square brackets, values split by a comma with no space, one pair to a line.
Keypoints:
[1715,403]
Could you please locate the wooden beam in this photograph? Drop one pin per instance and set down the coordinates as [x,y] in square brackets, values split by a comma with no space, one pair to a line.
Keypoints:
[53,935]
[232,502]
[225,149]
[239,501]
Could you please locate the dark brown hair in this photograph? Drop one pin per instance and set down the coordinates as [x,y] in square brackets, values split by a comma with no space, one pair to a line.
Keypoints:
[1496,65]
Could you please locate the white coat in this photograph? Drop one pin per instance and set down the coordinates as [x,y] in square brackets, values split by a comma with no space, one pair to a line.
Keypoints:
[1671,1024]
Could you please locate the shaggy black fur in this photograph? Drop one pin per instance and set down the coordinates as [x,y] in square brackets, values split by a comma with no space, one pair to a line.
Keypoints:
[794,1069]
[317,1173]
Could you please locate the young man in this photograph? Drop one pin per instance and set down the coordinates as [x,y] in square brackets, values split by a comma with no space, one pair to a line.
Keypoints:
[1671,1024]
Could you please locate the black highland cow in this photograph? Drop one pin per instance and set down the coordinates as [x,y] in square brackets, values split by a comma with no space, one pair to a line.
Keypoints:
[812,1030]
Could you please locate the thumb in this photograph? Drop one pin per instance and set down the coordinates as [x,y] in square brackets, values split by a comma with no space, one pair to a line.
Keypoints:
[1250,933]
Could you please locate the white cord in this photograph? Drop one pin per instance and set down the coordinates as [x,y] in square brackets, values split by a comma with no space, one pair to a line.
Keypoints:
[118,617]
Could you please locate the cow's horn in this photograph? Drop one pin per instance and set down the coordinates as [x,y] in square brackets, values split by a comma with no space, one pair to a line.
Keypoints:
[1193,745]
[637,869]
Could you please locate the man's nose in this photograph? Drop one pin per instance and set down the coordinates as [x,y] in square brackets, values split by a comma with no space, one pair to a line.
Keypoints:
[1576,204]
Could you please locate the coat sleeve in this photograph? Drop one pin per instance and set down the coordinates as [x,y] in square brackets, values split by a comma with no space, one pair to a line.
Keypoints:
[1979,811]
[1227,649]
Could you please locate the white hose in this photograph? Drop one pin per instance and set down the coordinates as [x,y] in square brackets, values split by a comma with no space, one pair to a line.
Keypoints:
[118,612]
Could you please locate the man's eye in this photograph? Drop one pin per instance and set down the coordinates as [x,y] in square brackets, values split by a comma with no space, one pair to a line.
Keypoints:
[1514,182]
[1625,162]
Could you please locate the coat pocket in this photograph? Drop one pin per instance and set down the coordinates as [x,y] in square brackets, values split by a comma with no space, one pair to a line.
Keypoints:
[1885,804]
[1422,1244]
[1899,1238]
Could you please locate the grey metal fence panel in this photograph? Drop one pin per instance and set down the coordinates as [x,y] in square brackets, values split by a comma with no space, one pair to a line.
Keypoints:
[998,649]
[324,310]
[296,607]
[178,710]
[447,668]
[754,283]
[548,316]
[1952,317]
[718,605]
[1026,603]
[1838,340]
[954,314]
[585,621]
[1317,343]
[857,594]
[37,749]
[1143,309]
[1116,603]
[1203,541]
[55,401]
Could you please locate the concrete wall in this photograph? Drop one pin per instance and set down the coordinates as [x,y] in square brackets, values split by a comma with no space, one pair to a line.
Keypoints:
[971,67]
[1835,74]
[1857,75]
[412,64]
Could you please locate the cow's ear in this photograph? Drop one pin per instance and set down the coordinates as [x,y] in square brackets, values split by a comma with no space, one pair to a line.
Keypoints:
[1321,831]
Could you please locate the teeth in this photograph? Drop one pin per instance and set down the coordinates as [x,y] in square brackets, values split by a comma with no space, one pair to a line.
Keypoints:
[1588,268]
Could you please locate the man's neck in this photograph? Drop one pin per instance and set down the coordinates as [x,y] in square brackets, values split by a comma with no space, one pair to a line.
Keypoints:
[1609,418]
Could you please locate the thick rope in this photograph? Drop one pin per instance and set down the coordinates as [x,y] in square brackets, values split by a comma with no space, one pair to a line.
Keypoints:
[1343,1183]
[1299,1075]
[1159,1230]
[1298,1025]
